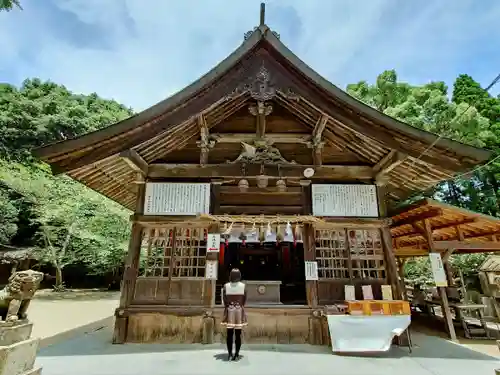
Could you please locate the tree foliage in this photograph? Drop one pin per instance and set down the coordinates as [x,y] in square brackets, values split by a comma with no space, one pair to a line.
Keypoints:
[67,222]
[9,5]
[472,116]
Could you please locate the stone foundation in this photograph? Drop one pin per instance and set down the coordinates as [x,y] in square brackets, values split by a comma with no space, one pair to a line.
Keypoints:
[18,350]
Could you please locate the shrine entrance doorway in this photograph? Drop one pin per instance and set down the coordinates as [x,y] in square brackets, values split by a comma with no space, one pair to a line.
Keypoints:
[270,262]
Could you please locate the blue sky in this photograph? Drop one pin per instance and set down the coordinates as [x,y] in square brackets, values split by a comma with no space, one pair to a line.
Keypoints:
[139,52]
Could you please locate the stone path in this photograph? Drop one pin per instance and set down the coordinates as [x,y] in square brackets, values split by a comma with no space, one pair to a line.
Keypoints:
[93,354]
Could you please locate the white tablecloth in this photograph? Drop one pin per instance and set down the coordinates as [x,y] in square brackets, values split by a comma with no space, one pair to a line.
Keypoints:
[360,333]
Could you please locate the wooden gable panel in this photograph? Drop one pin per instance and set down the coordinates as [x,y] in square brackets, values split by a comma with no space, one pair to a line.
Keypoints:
[240,122]
[282,120]
[299,153]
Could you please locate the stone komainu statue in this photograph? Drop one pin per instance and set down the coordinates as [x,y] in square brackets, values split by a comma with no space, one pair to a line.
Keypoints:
[16,296]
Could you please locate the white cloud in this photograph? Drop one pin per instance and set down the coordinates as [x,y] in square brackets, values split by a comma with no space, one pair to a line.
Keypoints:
[140,52]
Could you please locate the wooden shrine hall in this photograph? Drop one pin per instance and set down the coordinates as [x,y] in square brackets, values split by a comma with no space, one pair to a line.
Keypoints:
[264,165]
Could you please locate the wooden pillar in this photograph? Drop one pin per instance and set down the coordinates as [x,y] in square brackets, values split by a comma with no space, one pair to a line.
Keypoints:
[442,290]
[310,255]
[309,243]
[130,272]
[211,285]
[386,239]
[401,272]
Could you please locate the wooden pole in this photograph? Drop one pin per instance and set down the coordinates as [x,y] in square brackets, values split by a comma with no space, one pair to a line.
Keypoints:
[171,265]
[442,290]
[130,272]
[386,239]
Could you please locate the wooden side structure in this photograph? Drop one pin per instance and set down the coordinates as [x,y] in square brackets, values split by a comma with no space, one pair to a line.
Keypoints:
[297,131]
[430,226]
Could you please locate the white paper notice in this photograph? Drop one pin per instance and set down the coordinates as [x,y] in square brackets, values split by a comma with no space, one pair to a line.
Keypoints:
[344,200]
[311,270]
[438,269]
[367,292]
[213,242]
[211,269]
[350,293]
[386,292]
[176,198]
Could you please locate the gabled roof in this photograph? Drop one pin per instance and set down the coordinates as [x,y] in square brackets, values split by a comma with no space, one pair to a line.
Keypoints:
[172,123]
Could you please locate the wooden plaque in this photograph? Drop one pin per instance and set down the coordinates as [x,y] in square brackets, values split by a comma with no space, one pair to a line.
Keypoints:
[344,200]
[182,199]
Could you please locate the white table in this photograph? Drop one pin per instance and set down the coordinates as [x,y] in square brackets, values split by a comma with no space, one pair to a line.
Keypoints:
[362,333]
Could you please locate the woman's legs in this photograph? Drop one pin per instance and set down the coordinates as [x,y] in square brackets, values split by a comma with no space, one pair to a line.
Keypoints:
[229,341]
[237,341]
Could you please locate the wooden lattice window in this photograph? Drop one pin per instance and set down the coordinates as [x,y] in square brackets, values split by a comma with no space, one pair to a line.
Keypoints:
[187,247]
[349,254]
[331,254]
[367,255]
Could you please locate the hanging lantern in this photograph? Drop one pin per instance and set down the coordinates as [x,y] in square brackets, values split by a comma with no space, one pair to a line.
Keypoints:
[281,185]
[262,181]
[288,229]
[243,185]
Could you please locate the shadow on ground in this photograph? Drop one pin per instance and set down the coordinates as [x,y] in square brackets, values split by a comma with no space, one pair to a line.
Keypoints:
[99,343]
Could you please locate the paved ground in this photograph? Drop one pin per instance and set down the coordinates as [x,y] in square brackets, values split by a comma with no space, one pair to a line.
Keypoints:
[54,313]
[93,354]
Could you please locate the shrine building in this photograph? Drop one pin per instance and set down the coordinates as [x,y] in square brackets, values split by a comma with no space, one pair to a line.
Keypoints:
[263,165]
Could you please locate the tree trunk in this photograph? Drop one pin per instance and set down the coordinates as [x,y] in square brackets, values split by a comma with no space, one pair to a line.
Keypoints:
[59,276]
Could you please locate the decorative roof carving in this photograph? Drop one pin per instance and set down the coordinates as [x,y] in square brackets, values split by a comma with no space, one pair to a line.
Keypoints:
[260,109]
[261,152]
[260,86]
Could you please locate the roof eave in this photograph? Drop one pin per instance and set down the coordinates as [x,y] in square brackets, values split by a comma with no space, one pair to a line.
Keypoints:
[478,154]
[61,147]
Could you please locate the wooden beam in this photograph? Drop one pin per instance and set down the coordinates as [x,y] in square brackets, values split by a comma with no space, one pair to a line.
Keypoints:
[317,140]
[260,210]
[317,134]
[205,143]
[269,191]
[271,137]
[388,163]
[340,172]
[135,161]
[260,111]
[462,245]
[412,219]
[467,220]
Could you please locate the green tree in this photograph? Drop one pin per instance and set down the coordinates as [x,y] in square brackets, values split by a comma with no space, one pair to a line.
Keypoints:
[39,113]
[9,4]
[470,117]
[89,230]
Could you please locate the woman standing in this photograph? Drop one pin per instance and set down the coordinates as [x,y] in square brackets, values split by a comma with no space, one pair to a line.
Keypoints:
[234,297]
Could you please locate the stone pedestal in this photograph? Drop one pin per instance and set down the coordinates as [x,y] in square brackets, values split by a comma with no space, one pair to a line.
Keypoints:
[18,350]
